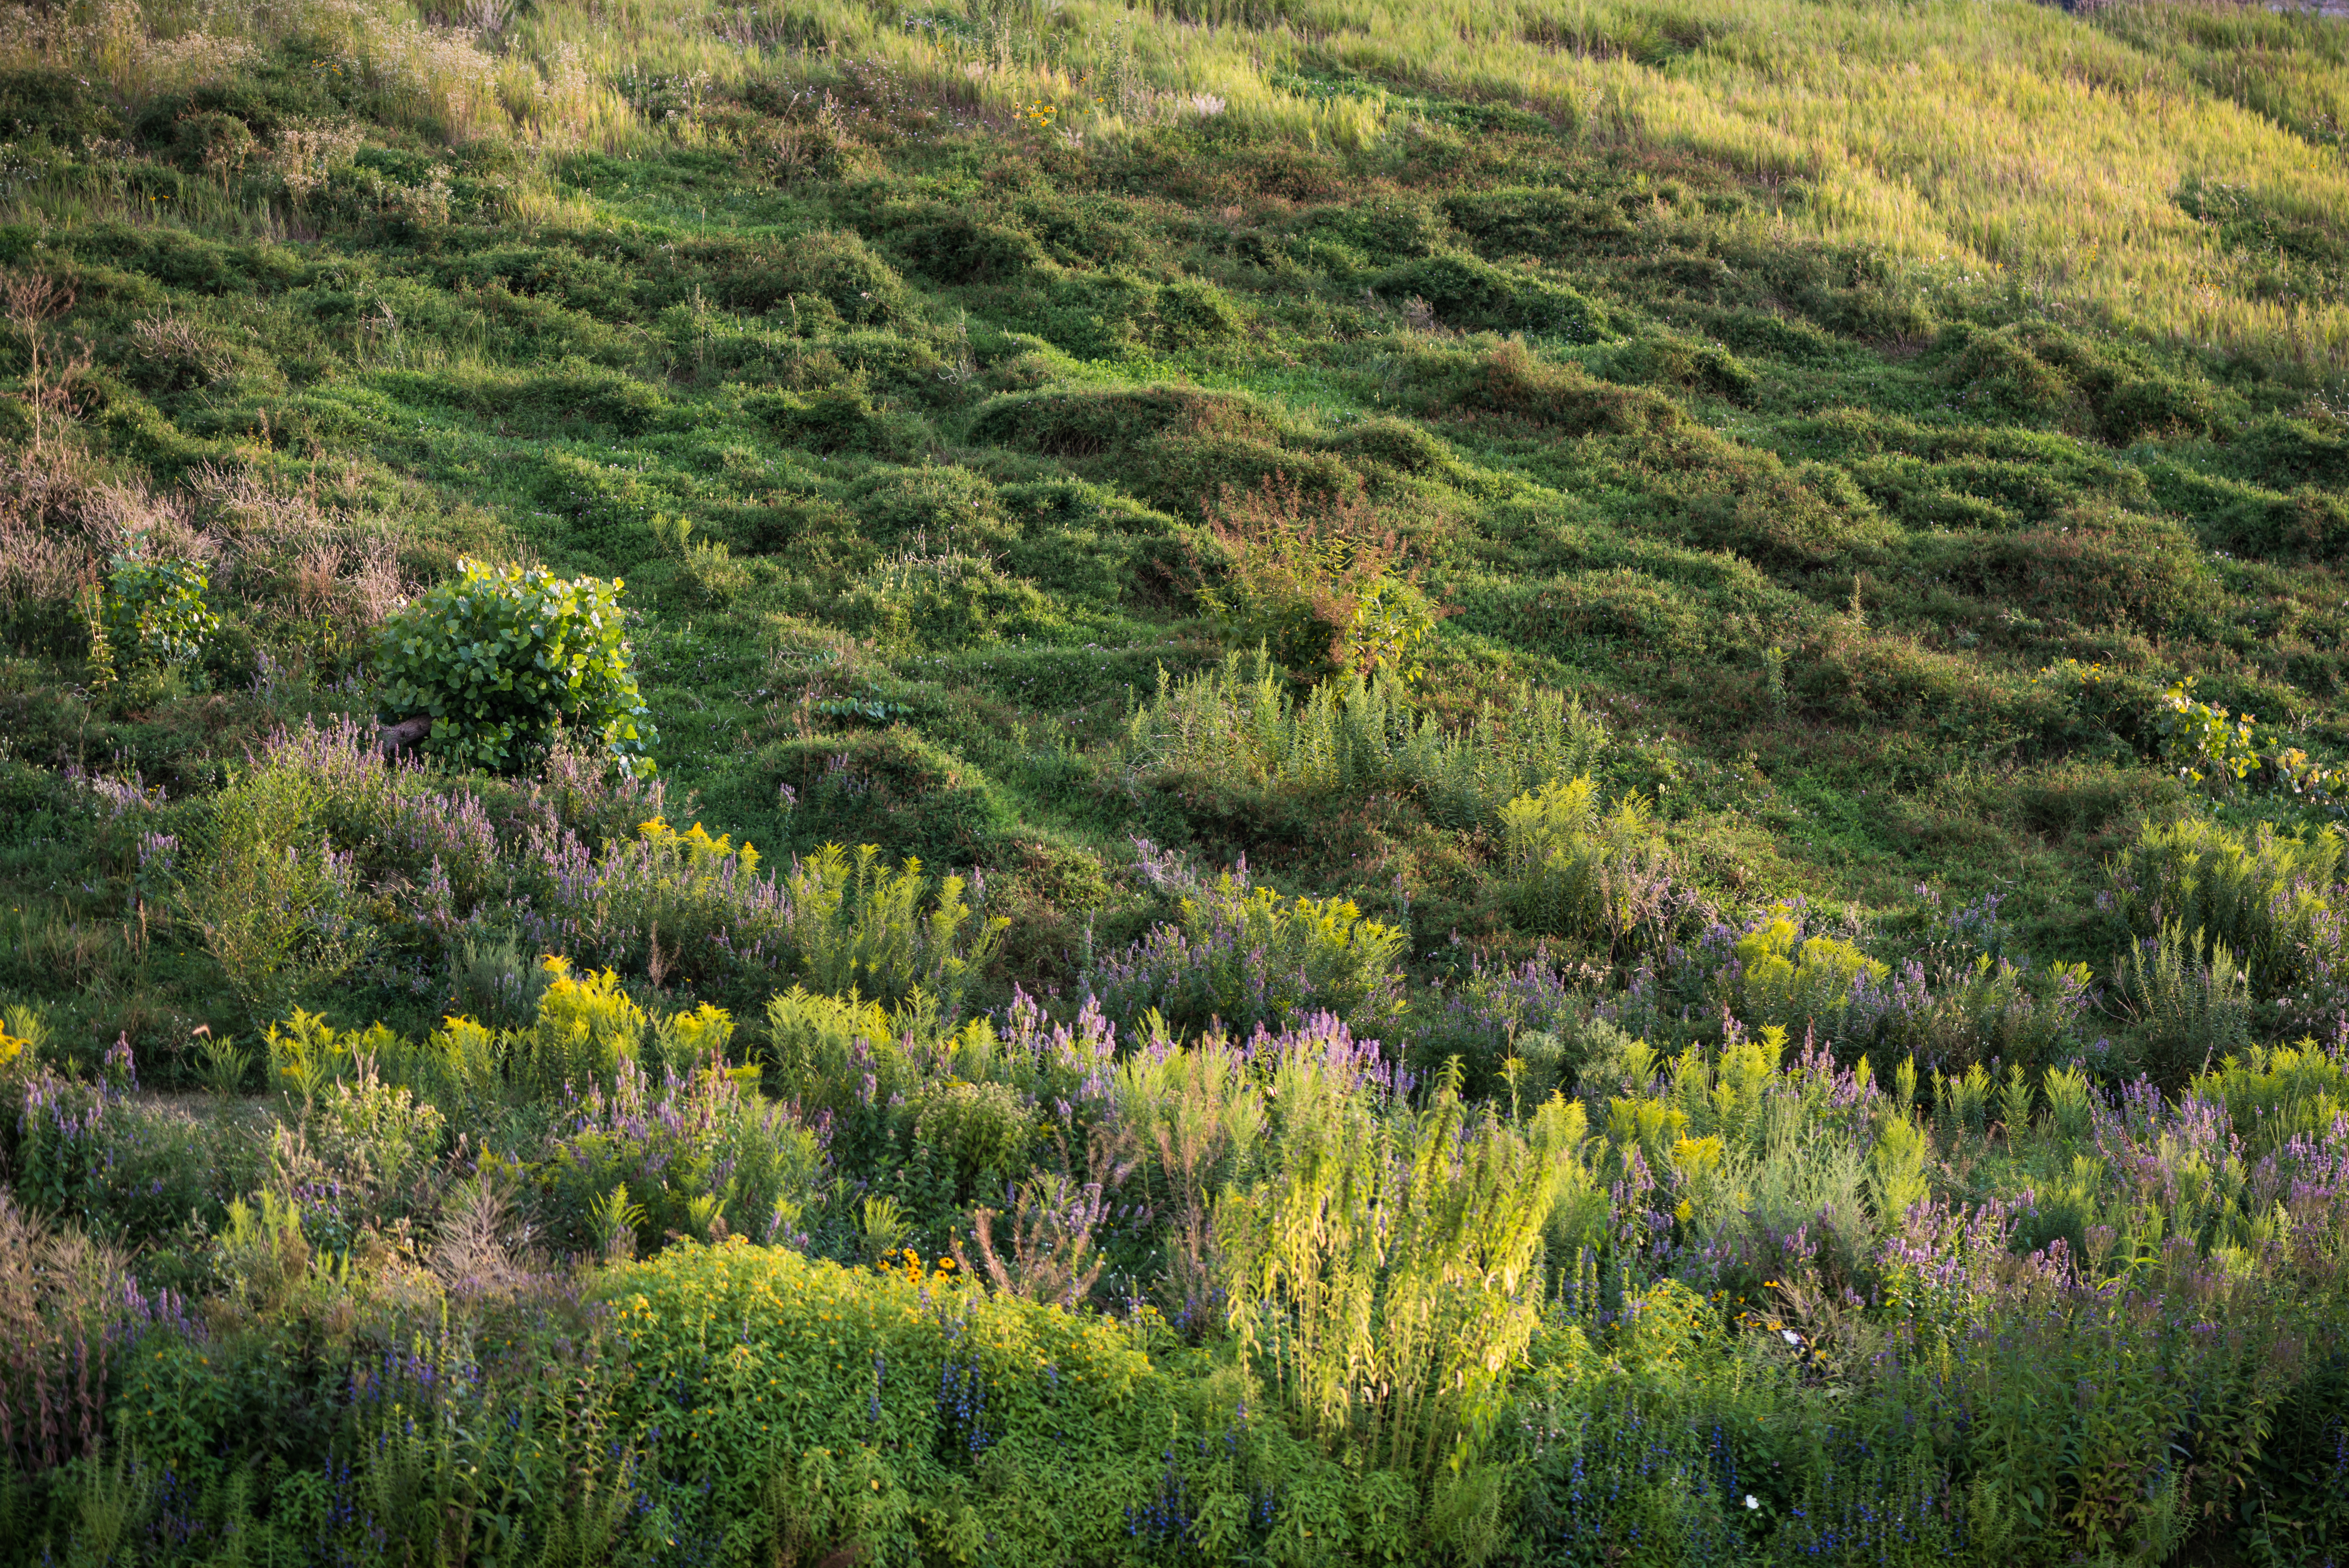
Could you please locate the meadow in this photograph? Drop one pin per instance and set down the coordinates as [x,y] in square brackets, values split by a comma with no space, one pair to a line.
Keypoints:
[1272,781]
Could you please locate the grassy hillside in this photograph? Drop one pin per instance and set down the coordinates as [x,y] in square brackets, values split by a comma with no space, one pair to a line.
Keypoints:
[1769,569]
[1641,399]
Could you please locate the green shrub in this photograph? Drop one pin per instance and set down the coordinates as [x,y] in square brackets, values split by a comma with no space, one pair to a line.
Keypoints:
[2273,1094]
[1384,227]
[697,1154]
[817,1046]
[858,926]
[1189,314]
[893,788]
[1355,734]
[1792,981]
[1381,1277]
[1396,444]
[838,266]
[945,600]
[1473,294]
[1316,581]
[2189,1000]
[2267,896]
[1675,361]
[365,1160]
[61,105]
[273,901]
[862,1405]
[121,1166]
[1096,422]
[2039,374]
[1510,379]
[155,611]
[501,657]
[587,1028]
[307,1055]
[981,1129]
[1988,1010]
[954,247]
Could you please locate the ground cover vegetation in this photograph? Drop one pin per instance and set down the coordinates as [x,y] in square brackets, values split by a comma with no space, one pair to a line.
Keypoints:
[1288,781]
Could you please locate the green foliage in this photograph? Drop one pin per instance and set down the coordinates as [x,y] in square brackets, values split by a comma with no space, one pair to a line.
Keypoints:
[223,1066]
[891,1407]
[155,611]
[1469,293]
[272,899]
[1248,957]
[838,268]
[587,1029]
[1797,514]
[116,1166]
[858,926]
[1382,1278]
[983,1131]
[2207,744]
[704,1157]
[946,601]
[2267,895]
[2211,746]
[500,657]
[1317,583]
[1792,981]
[1354,735]
[2188,999]
[1599,879]
[2276,1093]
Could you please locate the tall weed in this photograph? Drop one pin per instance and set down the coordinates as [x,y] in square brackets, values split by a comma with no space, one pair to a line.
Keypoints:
[1355,734]
[1605,879]
[1242,956]
[1382,1275]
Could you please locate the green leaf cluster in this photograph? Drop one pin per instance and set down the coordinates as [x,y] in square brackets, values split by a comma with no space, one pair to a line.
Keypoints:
[154,610]
[501,656]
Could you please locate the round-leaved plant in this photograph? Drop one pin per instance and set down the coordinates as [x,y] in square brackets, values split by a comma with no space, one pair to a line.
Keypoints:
[501,655]
[154,609]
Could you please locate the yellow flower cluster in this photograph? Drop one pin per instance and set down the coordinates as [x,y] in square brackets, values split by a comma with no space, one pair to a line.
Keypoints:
[905,1261]
[699,850]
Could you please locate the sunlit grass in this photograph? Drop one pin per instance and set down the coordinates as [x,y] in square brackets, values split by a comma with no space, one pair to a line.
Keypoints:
[2001,146]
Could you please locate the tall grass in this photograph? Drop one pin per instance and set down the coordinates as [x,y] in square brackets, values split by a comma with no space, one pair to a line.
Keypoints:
[1353,734]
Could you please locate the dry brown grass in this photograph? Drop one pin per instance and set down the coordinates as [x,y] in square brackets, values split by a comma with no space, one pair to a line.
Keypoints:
[60,1293]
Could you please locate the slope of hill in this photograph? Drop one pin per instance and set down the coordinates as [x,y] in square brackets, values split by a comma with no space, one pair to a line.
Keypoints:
[1770,571]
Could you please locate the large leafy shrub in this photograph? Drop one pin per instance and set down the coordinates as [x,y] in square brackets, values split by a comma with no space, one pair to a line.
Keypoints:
[501,657]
